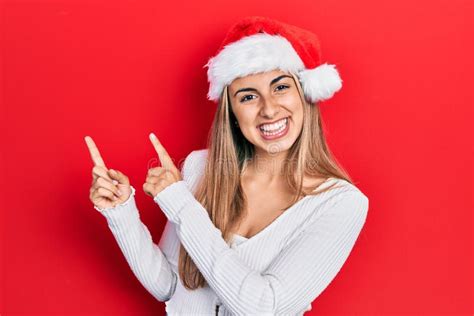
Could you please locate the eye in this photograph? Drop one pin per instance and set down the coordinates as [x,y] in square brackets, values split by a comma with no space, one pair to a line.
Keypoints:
[282,85]
[244,99]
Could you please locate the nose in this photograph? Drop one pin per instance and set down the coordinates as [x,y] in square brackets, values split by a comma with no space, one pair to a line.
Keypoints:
[270,108]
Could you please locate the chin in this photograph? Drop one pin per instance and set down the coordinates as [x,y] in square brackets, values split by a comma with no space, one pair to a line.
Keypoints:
[278,147]
[275,147]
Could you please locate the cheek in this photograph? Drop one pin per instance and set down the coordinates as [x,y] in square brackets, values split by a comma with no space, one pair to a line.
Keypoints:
[298,123]
[297,115]
[246,116]
[292,101]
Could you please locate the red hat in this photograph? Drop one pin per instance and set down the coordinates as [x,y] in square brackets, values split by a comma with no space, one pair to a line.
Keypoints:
[258,44]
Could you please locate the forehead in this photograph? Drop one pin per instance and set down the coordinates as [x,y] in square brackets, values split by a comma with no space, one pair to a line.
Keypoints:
[263,78]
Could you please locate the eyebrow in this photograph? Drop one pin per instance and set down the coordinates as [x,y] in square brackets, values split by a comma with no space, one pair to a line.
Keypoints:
[272,82]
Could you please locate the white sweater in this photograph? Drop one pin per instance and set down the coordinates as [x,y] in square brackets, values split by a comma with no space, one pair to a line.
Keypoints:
[278,271]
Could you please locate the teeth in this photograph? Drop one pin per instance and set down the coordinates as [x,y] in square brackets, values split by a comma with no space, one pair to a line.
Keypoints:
[275,126]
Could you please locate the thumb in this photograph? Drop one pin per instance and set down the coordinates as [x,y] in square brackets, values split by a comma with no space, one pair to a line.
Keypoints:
[120,177]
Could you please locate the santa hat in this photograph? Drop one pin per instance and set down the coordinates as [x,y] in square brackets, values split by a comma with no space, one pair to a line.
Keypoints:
[258,44]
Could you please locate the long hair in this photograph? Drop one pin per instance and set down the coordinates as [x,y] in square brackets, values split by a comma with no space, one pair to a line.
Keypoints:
[219,190]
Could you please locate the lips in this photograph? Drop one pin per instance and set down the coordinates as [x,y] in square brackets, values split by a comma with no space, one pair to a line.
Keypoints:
[268,123]
[280,133]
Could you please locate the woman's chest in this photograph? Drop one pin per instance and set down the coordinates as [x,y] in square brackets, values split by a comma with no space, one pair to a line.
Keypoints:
[262,208]
[267,241]
[264,204]
[257,216]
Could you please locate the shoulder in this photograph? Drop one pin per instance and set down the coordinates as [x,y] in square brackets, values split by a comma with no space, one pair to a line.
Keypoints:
[193,166]
[194,159]
[341,209]
[198,154]
[346,197]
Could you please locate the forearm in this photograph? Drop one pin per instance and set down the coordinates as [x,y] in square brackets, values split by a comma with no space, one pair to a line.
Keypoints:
[144,257]
[242,289]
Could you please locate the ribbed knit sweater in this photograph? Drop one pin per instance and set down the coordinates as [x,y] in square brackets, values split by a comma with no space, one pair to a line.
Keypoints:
[278,271]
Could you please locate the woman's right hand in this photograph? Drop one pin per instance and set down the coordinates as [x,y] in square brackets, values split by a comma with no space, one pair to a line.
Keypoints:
[109,187]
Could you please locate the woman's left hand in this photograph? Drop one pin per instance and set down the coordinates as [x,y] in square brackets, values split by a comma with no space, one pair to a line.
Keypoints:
[159,178]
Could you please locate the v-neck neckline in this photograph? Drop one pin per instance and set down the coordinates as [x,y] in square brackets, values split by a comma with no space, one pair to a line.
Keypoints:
[245,240]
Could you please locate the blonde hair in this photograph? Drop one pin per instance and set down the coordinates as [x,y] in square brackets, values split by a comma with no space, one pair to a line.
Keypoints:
[229,151]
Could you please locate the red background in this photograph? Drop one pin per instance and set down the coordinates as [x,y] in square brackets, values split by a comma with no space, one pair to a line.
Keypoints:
[117,70]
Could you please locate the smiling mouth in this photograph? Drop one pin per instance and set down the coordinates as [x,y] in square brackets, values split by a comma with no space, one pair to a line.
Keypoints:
[274,127]
[275,130]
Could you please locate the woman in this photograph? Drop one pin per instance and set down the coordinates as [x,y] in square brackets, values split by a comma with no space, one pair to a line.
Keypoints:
[261,221]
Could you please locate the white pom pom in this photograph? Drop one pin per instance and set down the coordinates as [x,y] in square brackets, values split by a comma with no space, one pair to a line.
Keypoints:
[321,82]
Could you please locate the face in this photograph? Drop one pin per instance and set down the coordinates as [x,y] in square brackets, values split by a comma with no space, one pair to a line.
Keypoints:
[268,109]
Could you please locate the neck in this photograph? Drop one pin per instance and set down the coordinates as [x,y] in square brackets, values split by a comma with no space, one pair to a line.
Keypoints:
[267,167]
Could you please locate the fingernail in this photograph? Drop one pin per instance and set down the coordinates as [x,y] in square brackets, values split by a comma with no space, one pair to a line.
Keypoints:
[115,182]
[119,192]
[112,170]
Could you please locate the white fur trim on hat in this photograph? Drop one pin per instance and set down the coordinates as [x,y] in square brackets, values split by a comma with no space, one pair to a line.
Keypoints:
[264,52]
[321,82]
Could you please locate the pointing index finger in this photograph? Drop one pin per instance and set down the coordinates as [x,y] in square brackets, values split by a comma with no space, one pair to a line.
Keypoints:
[165,159]
[94,152]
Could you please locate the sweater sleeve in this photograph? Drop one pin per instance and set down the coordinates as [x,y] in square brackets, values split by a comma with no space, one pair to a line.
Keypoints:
[293,280]
[145,258]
